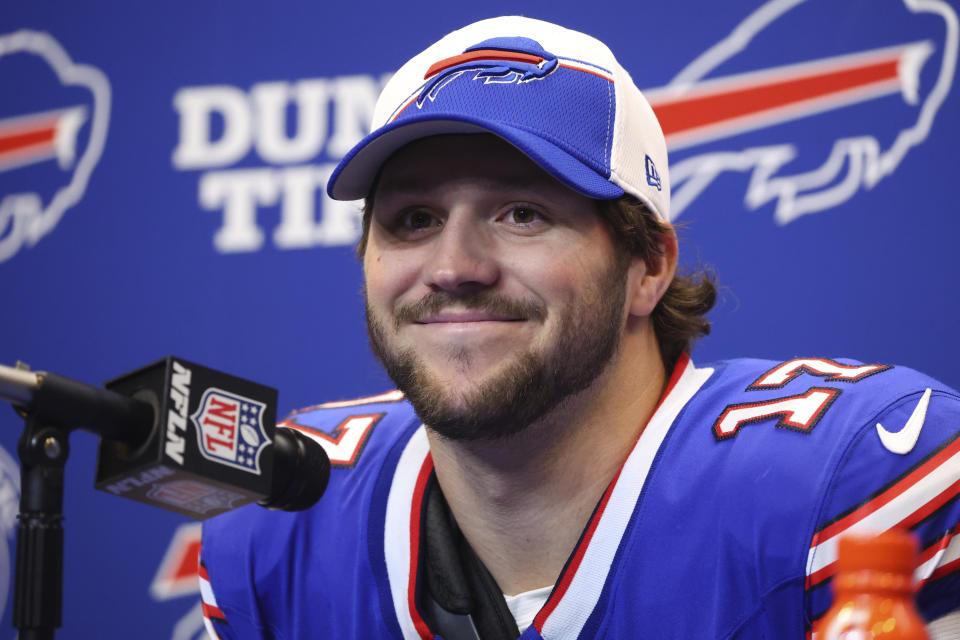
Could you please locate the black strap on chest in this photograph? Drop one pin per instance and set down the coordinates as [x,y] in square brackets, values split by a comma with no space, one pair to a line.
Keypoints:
[460,599]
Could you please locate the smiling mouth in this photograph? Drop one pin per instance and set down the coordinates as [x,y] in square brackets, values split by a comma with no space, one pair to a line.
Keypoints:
[465,317]
[474,308]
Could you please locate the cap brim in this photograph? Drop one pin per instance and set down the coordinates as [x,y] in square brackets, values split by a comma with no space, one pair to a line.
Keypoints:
[354,176]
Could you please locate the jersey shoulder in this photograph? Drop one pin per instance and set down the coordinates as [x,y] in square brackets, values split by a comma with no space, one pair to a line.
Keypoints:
[847,447]
[257,563]
[829,426]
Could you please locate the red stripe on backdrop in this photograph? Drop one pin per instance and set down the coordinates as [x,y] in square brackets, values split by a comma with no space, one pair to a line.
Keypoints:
[692,112]
[24,139]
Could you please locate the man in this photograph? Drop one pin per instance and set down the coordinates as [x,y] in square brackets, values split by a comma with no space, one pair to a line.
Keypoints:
[557,465]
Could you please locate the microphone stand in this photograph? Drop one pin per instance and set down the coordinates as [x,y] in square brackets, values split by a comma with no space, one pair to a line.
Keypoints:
[55,407]
[38,586]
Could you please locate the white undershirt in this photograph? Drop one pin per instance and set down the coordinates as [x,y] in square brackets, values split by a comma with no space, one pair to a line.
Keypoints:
[525,606]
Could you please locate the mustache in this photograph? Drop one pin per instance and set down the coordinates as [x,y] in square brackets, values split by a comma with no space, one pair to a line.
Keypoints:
[485,301]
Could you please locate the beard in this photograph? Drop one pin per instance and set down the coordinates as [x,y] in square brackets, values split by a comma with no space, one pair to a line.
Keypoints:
[526,389]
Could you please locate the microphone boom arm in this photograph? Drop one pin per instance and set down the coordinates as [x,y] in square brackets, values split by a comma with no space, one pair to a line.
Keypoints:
[73,404]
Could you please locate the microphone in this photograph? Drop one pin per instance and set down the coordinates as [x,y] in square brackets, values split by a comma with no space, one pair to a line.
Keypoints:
[181,437]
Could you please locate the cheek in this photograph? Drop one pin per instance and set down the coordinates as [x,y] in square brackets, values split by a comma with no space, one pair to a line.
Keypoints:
[555,279]
[387,276]
[582,278]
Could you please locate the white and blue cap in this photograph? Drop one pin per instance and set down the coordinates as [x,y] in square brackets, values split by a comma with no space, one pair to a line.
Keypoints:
[557,95]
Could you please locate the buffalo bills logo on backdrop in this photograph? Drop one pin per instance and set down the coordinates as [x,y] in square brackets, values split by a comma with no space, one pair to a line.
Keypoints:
[500,60]
[53,126]
[230,429]
[177,577]
[848,104]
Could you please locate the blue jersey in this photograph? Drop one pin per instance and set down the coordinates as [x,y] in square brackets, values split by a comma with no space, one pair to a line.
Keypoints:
[722,522]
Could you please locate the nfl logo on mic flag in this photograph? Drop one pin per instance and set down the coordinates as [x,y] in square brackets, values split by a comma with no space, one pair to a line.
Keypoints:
[209,448]
[229,429]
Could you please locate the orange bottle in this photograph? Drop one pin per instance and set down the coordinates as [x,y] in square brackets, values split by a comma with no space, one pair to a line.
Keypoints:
[873,590]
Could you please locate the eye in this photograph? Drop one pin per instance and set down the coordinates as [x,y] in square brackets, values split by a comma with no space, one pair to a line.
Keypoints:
[522,215]
[413,222]
[417,219]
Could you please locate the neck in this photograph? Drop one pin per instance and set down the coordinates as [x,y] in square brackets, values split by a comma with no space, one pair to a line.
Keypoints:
[523,502]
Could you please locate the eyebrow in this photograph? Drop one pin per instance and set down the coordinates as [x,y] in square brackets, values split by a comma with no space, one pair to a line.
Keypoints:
[415,185]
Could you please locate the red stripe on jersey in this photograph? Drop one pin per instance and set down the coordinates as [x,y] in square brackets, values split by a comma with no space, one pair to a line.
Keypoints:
[942,543]
[916,516]
[944,570]
[564,583]
[891,492]
[678,369]
[887,495]
[213,613]
[934,549]
[941,499]
[567,577]
[415,514]
[202,572]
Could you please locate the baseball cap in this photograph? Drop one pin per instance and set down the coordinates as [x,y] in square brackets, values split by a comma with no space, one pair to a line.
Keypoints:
[557,95]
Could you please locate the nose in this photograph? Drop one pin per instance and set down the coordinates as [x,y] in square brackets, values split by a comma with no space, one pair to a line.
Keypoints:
[462,257]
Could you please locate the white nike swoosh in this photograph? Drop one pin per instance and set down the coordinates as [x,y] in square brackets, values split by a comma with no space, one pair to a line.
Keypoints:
[903,441]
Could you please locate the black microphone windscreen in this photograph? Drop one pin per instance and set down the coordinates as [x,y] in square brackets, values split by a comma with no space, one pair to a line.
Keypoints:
[301,470]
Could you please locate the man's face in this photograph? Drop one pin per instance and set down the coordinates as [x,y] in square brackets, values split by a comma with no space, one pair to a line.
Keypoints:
[493,291]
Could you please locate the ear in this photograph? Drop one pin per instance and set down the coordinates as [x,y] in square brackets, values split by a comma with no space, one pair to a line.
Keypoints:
[649,277]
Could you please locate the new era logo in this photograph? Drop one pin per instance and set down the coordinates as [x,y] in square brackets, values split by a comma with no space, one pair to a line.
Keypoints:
[653,176]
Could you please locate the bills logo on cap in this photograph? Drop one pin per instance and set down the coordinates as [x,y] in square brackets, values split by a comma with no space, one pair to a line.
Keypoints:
[500,60]
[230,430]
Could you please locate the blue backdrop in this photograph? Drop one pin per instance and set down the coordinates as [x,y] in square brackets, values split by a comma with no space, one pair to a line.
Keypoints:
[162,173]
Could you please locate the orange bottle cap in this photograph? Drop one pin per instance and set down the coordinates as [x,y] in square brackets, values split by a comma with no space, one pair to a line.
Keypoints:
[894,551]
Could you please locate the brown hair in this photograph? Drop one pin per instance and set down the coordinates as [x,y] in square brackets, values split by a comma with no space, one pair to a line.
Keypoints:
[680,316]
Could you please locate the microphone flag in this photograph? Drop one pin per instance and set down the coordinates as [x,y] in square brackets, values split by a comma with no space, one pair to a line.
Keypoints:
[209,449]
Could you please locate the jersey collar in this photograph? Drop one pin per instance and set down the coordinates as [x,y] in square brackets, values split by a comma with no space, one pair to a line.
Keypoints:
[584,579]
